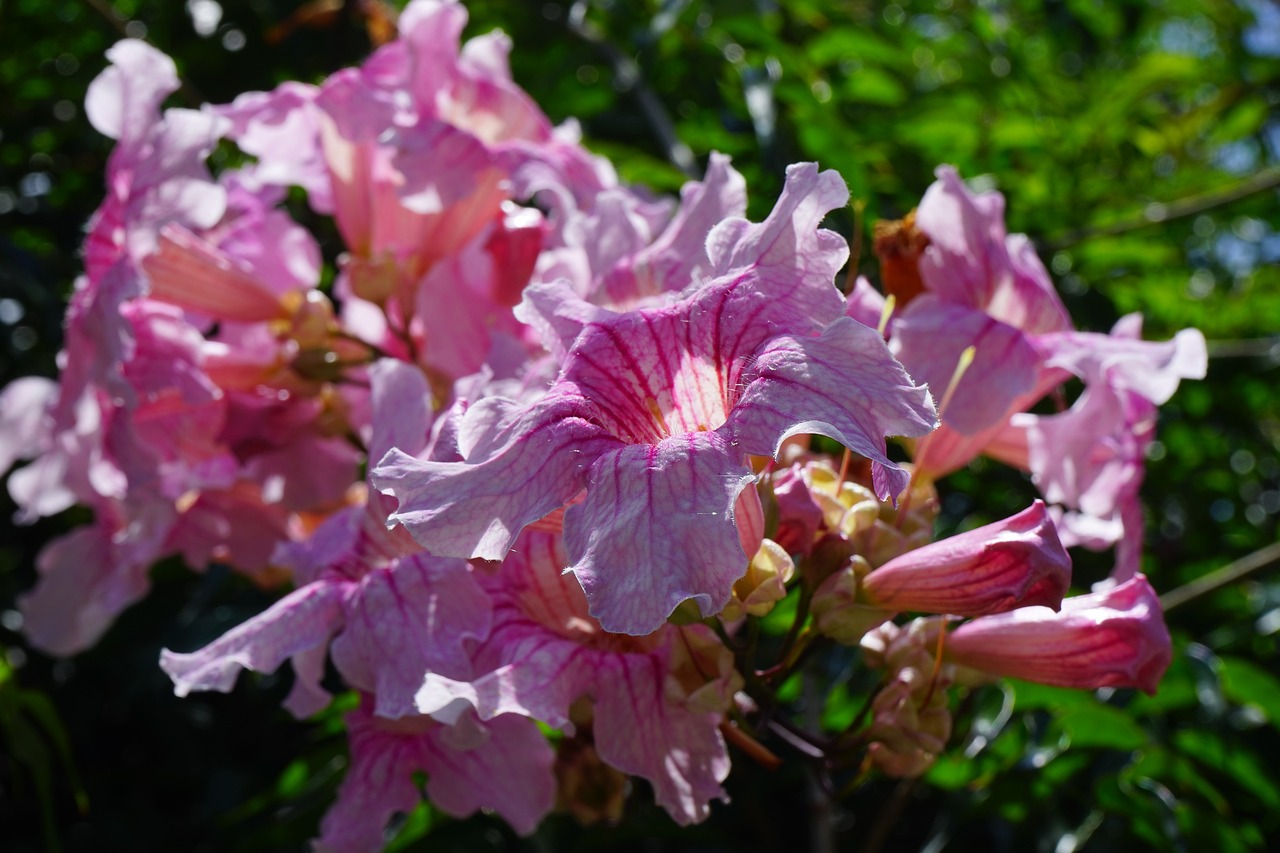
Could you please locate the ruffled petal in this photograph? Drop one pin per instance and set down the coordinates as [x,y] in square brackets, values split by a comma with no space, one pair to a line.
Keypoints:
[84,584]
[677,259]
[789,256]
[657,527]
[402,414]
[929,338]
[844,385]
[504,765]
[405,621]
[1152,369]
[303,620]
[971,261]
[24,418]
[527,466]
[124,99]
[680,751]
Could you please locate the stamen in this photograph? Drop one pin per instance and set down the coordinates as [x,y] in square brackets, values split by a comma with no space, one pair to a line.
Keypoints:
[656,411]
[962,365]
[937,665]
[885,313]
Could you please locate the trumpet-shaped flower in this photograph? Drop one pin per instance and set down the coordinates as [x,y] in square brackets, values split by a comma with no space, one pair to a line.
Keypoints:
[983,288]
[392,617]
[656,411]
[1090,460]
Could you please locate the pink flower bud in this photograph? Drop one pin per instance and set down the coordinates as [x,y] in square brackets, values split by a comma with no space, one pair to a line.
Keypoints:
[1113,638]
[1016,562]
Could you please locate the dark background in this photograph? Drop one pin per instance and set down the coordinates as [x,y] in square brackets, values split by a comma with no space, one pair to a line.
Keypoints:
[1136,142]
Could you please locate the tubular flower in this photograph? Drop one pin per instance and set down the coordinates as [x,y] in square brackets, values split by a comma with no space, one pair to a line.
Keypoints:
[655,412]
[1112,638]
[1017,562]
[983,288]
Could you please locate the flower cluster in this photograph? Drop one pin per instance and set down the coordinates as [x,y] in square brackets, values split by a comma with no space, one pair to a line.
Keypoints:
[547,449]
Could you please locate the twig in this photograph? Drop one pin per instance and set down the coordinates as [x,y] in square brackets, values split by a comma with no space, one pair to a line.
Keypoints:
[628,77]
[1219,578]
[1158,212]
[1246,348]
[755,750]
[879,833]
[822,837]
[109,13]
[855,249]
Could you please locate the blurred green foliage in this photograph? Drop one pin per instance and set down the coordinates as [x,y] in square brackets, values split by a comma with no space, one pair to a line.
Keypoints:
[1138,144]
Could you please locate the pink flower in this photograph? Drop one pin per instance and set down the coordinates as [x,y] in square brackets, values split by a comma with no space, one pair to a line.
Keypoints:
[156,174]
[655,412]
[1113,638]
[391,615]
[503,764]
[658,700]
[623,252]
[1091,459]
[983,288]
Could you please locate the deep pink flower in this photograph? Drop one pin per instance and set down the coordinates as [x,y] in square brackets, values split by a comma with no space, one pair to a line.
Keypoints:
[1113,638]
[1016,562]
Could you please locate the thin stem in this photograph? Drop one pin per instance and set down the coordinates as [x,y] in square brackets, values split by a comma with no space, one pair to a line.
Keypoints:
[627,76]
[1246,348]
[855,250]
[1158,212]
[937,666]
[754,750]
[844,467]
[793,634]
[889,816]
[1219,578]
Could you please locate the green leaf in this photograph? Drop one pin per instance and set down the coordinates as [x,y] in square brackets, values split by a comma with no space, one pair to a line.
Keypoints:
[1246,683]
[1241,765]
[1030,697]
[1101,726]
[293,779]
[1244,119]
[871,85]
